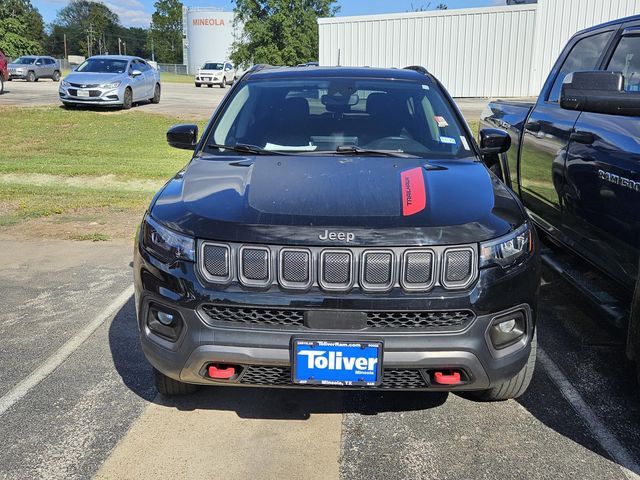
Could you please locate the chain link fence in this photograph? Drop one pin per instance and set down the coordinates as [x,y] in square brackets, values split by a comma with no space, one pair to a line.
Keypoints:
[174,68]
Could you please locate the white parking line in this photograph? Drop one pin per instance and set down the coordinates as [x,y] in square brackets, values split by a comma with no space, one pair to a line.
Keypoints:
[55,360]
[600,432]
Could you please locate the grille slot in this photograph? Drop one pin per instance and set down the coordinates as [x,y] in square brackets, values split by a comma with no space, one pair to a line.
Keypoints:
[254,316]
[418,270]
[458,267]
[336,269]
[269,375]
[216,260]
[378,272]
[295,268]
[433,321]
[255,266]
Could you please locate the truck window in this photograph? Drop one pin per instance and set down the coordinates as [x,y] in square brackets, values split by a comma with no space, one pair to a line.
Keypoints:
[583,56]
[626,59]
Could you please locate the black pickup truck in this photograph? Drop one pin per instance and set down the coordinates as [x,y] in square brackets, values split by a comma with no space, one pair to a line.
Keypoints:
[575,156]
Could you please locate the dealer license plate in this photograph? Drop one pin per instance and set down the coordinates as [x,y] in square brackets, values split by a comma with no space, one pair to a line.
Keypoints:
[83,93]
[336,363]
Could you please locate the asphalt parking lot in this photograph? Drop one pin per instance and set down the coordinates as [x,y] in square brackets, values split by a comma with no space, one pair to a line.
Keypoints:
[180,100]
[77,399]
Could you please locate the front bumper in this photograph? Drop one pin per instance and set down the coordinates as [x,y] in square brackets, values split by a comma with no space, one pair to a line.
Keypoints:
[13,75]
[97,96]
[263,351]
[210,80]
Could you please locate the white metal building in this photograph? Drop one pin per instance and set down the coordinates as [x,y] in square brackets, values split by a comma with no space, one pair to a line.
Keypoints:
[477,52]
[208,34]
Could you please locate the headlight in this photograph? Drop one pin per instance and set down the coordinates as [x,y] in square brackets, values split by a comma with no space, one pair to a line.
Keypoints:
[166,244]
[111,85]
[508,250]
[64,83]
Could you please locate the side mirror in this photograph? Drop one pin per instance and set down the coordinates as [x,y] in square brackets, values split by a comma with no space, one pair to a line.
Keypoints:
[494,141]
[136,73]
[599,92]
[183,136]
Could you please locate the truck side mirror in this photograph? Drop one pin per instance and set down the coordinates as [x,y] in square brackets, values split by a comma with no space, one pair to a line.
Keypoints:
[598,92]
[494,141]
[184,136]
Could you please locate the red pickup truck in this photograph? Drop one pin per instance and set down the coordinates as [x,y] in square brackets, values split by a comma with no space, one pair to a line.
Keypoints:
[4,72]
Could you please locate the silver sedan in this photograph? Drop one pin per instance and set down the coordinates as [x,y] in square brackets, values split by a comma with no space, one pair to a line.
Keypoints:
[111,80]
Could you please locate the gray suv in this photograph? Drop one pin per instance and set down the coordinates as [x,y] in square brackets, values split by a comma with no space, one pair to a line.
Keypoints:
[32,68]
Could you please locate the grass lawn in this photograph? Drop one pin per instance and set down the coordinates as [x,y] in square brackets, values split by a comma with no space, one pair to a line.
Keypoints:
[57,161]
[173,78]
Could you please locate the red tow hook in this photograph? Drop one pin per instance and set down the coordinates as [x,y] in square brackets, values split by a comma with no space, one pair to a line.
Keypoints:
[220,373]
[452,378]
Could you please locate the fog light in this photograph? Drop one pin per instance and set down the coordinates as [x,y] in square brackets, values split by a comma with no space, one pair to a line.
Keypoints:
[165,318]
[507,329]
[164,322]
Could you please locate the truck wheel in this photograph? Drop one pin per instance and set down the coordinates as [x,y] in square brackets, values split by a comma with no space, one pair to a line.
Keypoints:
[223,84]
[56,76]
[127,101]
[511,388]
[168,386]
[31,77]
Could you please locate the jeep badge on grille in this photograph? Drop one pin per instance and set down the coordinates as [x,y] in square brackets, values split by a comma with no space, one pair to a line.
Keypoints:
[344,236]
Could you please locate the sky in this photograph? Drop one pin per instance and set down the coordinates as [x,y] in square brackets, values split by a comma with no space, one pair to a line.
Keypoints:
[138,12]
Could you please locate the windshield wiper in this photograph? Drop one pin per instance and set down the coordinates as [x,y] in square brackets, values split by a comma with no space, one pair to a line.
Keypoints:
[354,150]
[242,148]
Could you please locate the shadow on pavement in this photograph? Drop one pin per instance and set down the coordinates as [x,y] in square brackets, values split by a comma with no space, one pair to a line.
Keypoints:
[590,353]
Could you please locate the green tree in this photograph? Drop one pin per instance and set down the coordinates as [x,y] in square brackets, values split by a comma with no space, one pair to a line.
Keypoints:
[166,31]
[21,28]
[91,28]
[278,32]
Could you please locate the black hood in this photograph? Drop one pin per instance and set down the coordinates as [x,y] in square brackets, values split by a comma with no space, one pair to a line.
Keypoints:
[381,200]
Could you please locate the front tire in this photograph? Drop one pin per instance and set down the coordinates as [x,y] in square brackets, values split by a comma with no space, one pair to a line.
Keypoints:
[516,386]
[198,85]
[169,387]
[1,85]
[56,76]
[31,77]
[156,94]
[223,84]
[127,101]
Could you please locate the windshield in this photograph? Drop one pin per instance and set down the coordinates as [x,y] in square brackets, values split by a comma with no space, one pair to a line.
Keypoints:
[212,66]
[329,114]
[103,65]
[25,61]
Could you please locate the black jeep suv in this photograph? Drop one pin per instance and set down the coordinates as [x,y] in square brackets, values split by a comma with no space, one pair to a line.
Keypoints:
[337,228]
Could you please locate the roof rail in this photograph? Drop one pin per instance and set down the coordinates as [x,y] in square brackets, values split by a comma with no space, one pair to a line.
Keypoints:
[417,68]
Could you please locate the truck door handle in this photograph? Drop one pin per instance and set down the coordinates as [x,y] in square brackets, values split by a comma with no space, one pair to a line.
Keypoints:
[583,137]
[533,127]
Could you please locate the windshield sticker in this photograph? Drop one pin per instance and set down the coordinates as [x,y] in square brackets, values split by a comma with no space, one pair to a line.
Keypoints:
[414,197]
[442,123]
[448,140]
[465,144]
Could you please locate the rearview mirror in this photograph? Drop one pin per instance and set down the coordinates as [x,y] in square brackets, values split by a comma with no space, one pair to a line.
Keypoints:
[598,92]
[183,136]
[494,141]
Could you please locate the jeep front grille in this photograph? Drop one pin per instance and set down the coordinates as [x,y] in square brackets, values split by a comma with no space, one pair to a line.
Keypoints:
[339,269]
[433,321]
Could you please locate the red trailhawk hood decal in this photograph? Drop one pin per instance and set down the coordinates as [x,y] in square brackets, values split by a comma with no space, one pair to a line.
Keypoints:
[414,196]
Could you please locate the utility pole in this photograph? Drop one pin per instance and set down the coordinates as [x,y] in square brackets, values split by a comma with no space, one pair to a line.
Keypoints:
[64,36]
[124,44]
[89,39]
[119,45]
[153,53]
